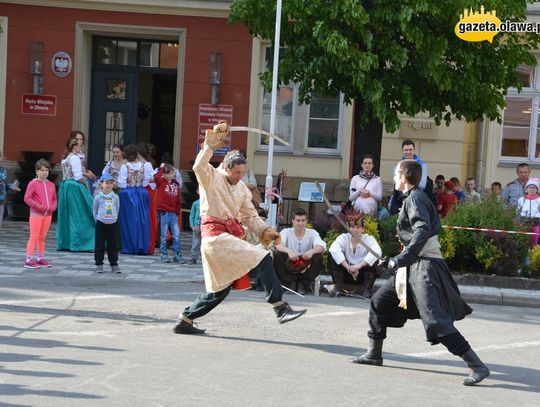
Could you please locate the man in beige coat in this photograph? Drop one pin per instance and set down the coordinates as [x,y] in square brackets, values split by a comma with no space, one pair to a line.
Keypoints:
[225,206]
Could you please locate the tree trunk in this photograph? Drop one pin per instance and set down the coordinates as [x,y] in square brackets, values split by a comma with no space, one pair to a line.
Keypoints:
[367,139]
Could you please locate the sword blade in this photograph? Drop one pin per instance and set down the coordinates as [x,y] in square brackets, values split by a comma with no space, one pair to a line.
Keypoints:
[259,131]
[292,291]
[329,205]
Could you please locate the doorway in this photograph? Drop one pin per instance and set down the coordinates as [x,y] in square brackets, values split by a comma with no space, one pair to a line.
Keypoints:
[133,96]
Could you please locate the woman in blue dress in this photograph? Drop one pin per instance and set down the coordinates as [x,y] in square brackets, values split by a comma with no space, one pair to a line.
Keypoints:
[134,203]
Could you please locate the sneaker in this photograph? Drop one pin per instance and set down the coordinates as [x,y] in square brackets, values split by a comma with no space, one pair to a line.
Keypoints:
[44,263]
[31,264]
[115,269]
[165,259]
[179,259]
[193,261]
[99,268]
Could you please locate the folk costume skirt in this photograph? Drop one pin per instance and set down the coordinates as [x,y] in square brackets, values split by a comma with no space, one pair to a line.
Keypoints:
[134,220]
[76,225]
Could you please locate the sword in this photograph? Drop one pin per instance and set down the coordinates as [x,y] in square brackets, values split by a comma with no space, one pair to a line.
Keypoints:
[292,291]
[259,131]
[347,228]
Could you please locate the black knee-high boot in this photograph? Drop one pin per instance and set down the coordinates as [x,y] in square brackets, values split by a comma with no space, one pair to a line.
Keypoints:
[479,370]
[373,356]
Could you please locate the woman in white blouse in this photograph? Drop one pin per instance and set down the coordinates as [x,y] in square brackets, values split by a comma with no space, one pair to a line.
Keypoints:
[133,177]
[75,227]
[366,189]
[350,262]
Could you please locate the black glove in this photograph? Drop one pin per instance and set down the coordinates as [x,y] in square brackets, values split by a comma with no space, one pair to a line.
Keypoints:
[389,264]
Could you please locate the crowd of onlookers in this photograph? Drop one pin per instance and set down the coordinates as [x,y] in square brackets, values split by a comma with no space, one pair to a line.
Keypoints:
[135,206]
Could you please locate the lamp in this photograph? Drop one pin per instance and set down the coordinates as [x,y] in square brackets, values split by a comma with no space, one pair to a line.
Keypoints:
[215,75]
[36,66]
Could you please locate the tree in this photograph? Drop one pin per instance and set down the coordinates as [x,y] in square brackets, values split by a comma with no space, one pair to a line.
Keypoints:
[393,57]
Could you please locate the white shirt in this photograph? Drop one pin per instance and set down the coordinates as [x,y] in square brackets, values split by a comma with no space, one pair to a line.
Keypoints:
[529,208]
[136,166]
[342,249]
[310,239]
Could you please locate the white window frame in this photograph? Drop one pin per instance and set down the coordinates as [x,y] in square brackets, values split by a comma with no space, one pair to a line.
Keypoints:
[300,129]
[533,93]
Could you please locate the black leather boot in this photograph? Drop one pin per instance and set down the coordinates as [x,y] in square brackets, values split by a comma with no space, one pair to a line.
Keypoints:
[479,370]
[373,356]
[369,282]
[185,328]
[285,313]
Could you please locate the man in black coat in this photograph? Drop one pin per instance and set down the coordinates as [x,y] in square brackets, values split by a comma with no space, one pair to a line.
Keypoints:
[421,285]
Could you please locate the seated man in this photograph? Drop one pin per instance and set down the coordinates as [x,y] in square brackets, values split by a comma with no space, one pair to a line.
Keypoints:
[350,262]
[298,259]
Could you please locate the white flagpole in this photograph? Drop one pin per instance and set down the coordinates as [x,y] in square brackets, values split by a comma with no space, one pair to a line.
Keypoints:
[269,177]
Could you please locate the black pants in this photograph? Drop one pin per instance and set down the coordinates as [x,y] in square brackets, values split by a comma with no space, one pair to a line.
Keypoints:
[384,312]
[106,232]
[341,276]
[287,274]
[206,301]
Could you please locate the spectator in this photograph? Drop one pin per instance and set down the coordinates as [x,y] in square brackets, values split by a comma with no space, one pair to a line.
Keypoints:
[40,196]
[134,203]
[366,190]
[408,153]
[168,209]
[350,262]
[516,189]
[529,208]
[75,226]
[298,258]
[383,209]
[439,185]
[88,174]
[144,150]
[105,210]
[496,190]
[457,189]
[470,191]
[195,224]
[4,188]
[447,200]
[113,167]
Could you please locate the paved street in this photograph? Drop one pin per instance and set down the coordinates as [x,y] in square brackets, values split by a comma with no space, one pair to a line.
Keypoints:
[104,340]
[67,341]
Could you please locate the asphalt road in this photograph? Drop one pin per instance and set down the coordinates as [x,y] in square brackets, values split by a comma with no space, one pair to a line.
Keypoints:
[69,341]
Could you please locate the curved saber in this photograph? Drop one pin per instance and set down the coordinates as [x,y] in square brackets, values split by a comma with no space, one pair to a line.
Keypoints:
[347,228]
[259,131]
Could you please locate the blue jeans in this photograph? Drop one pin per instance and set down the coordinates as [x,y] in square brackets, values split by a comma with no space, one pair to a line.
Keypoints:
[169,220]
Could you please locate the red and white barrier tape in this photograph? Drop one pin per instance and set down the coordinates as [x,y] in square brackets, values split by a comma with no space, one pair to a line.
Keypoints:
[515,232]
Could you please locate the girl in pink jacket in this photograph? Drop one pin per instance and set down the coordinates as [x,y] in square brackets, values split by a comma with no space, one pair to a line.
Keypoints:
[40,196]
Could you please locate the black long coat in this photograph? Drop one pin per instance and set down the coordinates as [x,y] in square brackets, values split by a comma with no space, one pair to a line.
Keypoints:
[432,294]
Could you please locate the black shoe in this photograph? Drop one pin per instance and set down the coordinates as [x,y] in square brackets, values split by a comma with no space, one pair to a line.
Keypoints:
[186,328]
[365,359]
[479,371]
[285,313]
[301,289]
[193,261]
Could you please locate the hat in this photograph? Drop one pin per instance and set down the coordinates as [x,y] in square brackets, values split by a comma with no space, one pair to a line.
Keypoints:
[532,182]
[106,177]
[449,185]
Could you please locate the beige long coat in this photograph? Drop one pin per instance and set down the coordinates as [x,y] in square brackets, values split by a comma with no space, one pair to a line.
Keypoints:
[226,258]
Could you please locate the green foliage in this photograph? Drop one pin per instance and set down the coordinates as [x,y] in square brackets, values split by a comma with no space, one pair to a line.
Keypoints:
[487,252]
[534,256]
[371,227]
[398,57]
[331,236]
[388,235]
[447,239]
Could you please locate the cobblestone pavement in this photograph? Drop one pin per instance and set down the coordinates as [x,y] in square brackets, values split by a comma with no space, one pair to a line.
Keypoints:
[14,235]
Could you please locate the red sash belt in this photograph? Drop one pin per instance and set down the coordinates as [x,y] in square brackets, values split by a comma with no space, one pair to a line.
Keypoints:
[212,226]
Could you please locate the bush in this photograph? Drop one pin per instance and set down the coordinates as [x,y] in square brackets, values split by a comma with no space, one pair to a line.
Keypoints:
[483,252]
[388,236]
[534,267]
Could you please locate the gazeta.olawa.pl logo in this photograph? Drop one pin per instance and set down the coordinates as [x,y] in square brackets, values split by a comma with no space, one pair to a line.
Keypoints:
[476,26]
